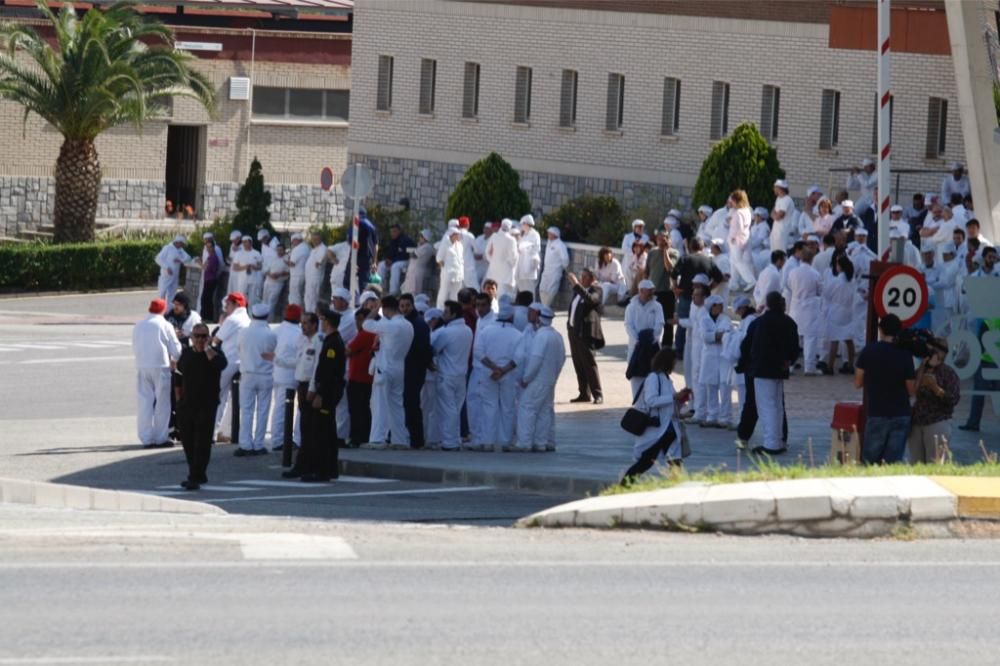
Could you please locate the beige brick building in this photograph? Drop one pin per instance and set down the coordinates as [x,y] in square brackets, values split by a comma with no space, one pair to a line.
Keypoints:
[628,97]
[294,120]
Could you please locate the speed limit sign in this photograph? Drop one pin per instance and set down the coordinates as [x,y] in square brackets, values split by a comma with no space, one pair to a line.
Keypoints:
[902,291]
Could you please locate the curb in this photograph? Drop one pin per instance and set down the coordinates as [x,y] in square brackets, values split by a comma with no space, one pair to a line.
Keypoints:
[536,483]
[860,507]
[62,496]
[15,295]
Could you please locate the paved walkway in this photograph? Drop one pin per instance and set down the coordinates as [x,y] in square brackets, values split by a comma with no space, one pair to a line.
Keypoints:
[592,447]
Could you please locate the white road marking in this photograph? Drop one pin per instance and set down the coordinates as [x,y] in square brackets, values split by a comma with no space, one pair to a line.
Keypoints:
[21,345]
[4,661]
[298,484]
[420,491]
[88,359]
[211,488]
[93,345]
[289,546]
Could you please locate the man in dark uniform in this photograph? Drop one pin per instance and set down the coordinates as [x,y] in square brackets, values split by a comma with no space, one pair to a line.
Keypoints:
[397,258]
[182,318]
[367,250]
[586,335]
[199,367]
[418,361]
[319,457]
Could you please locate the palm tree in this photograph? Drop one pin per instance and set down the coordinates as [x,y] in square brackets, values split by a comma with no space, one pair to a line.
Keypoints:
[108,68]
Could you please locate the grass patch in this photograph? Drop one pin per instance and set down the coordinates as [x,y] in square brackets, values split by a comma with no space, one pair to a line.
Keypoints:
[765,469]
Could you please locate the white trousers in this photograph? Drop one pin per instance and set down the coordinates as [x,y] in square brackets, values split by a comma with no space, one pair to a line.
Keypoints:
[810,349]
[388,415]
[527,284]
[497,410]
[272,294]
[152,388]
[719,403]
[392,276]
[741,399]
[278,416]
[547,297]
[448,291]
[225,384]
[474,406]
[255,406]
[295,286]
[428,405]
[535,415]
[449,396]
[741,263]
[255,288]
[166,286]
[611,288]
[312,293]
[770,406]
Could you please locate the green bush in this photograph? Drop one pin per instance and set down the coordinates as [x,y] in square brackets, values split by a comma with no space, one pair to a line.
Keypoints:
[743,160]
[79,266]
[489,190]
[589,219]
[996,99]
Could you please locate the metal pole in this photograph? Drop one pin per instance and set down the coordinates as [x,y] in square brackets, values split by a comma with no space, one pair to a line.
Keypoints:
[253,58]
[356,222]
[286,449]
[235,419]
[884,100]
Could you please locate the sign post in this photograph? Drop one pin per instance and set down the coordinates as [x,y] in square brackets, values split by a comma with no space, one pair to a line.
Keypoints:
[884,141]
[357,182]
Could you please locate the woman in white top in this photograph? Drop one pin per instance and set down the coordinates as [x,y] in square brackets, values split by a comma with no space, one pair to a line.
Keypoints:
[634,267]
[760,240]
[609,275]
[839,292]
[824,219]
[421,265]
[659,401]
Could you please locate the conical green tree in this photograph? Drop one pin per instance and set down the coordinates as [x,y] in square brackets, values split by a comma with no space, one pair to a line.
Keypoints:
[489,190]
[743,160]
[252,203]
[110,67]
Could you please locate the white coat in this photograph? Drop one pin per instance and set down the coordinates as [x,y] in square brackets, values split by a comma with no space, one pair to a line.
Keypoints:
[838,297]
[769,280]
[760,246]
[256,382]
[631,239]
[154,343]
[155,346]
[497,399]
[341,254]
[714,369]
[865,184]
[502,252]
[297,259]
[640,316]
[289,337]
[658,400]
[395,335]
[731,350]
[315,271]
[479,249]
[469,260]
[556,261]
[170,259]
[536,414]
[784,233]
[805,305]
[420,266]
[529,256]
[452,344]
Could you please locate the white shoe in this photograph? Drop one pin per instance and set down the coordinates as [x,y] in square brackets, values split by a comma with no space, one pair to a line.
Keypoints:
[374,446]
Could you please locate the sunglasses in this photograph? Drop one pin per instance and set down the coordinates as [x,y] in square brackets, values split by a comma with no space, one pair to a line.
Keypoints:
[200,335]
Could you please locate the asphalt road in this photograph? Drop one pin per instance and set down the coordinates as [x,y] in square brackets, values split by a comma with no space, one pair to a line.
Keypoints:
[108,589]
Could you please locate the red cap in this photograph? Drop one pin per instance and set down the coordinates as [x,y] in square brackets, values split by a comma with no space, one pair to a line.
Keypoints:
[157,306]
[464,222]
[238,298]
[293,312]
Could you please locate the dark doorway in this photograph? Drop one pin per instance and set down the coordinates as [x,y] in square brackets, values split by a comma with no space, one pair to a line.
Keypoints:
[183,160]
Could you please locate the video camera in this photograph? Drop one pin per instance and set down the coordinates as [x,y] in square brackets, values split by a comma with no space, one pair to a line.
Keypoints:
[919,342]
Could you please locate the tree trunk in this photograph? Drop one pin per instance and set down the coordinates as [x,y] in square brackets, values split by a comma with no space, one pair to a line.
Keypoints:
[78,182]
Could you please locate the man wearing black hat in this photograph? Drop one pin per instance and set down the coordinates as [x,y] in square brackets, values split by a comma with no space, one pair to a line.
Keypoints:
[318,458]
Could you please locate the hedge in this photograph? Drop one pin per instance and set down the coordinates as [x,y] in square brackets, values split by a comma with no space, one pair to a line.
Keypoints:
[79,266]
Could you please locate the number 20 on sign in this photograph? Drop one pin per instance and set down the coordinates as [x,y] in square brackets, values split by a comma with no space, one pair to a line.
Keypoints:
[902,291]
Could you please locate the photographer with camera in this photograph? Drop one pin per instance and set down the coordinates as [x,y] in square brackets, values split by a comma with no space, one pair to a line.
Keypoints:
[885,370]
[937,396]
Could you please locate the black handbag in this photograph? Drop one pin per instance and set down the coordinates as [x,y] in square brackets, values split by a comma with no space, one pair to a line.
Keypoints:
[636,421]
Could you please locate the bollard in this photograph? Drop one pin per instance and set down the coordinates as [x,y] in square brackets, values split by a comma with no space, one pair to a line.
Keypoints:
[235,422]
[288,444]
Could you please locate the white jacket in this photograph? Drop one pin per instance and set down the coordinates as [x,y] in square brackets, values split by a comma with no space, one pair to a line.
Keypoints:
[502,253]
[638,317]
[257,339]
[395,335]
[546,357]
[529,255]
[171,259]
[452,255]
[289,336]
[297,261]
[714,369]
[316,263]
[556,261]
[154,343]
[229,334]
[806,289]
[452,344]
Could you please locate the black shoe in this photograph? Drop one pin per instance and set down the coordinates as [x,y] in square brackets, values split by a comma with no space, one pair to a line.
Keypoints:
[275,449]
[162,445]
[624,303]
[243,453]
[846,369]
[190,485]
[598,400]
[580,398]
[968,428]
[828,371]
[291,474]
[771,452]
[314,478]
[259,452]
[821,365]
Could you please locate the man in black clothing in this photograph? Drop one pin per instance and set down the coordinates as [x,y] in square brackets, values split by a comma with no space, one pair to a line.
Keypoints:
[586,335]
[397,258]
[199,367]
[318,458]
[847,221]
[418,361]
[693,263]
[748,417]
[773,347]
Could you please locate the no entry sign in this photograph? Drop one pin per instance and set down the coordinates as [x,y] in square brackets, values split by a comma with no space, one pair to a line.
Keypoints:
[901,291]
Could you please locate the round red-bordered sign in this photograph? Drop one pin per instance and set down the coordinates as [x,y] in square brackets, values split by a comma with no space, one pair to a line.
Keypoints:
[902,291]
[326,179]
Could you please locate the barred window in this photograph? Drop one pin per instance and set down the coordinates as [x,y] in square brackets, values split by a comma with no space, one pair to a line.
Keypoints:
[671,106]
[567,98]
[829,120]
[720,110]
[428,82]
[769,107]
[522,95]
[937,125]
[470,91]
[383,101]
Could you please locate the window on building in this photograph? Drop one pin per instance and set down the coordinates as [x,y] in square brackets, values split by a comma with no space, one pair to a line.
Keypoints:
[470,91]
[937,124]
[829,120]
[301,103]
[769,108]
[720,110]
[428,81]
[671,106]
[567,98]
[616,102]
[522,95]
[383,100]
[892,101]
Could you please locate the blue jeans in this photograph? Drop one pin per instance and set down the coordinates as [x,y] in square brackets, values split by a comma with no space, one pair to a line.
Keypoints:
[885,439]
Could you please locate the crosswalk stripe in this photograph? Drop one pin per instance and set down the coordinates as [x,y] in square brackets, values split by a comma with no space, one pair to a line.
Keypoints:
[22,345]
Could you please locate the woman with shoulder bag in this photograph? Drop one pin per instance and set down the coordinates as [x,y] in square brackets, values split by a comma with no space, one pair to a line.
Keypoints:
[659,399]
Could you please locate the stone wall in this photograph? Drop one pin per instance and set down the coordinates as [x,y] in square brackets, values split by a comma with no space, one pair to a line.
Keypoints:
[300,204]
[427,185]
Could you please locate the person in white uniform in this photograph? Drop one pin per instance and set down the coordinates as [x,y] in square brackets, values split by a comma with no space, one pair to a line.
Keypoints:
[694,344]
[610,276]
[242,264]
[494,348]
[713,375]
[170,260]
[289,337]
[452,344]
[315,271]
[421,265]
[479,250]
[556,261]
[865,181]
[641,314]
[529,255]
[257,343]
[252,262]
[228,336]
[501,253]
[340,304]
[268,245]
[338,255]
[805,308]
[769,279]
[637,235]
[861,257]
[536,414]
[451,259]
[760,240]
[275,278]
[740,254]
[395,335]
[785,229]
[297,259]
[470,279]
[156,349]
[723,262]
[955,183]
[839,292]
[731,342]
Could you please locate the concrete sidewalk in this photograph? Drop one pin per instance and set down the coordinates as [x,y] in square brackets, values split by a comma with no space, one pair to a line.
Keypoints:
[833,507]
[64,496]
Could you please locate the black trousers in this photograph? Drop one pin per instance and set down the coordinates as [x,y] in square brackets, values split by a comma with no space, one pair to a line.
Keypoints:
[748,417]
[320,449]
[668,302]
[196,423]
[649,456]
[208,300]
[413,382]
[359,406]
[585,365]
[306,417]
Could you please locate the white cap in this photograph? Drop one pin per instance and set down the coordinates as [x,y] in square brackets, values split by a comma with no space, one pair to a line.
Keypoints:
[235,234]
[760,211]
[260,310]
[207,235]
[706,209]
[180,238]
[263,233]
[647,284]
[957,165]
[296,236]
[741,302]
[948,248]
[812,238]
[714,300]
[554,231]
[547,313]
[861,231]
[670,222]
[421,306]
[340,292]
[896,209]
[247,237]
[867,162]
[782,183]
[453,223]
[718,242]
[701,278]
[638,223]
[674,213]
[422,297]
[506,223]
[367,296]
[847,203]
[814,189]
[537,307]
[529,220]
[433,313]
[927,246]
[426,233]
[506,312]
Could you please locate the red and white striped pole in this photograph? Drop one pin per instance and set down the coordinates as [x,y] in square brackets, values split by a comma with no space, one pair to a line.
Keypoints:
[883,194]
